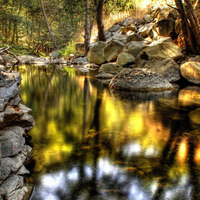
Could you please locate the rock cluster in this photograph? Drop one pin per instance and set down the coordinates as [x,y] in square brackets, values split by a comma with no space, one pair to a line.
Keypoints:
[149,43]
[15,123]
[145,47]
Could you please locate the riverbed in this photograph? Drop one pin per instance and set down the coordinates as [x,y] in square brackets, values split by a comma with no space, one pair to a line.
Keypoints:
[93,143]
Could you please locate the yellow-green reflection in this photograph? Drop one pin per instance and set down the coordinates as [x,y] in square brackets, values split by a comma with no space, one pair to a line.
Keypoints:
[79,122]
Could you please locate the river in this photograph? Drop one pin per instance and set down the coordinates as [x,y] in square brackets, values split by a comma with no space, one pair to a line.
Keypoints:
[91,143]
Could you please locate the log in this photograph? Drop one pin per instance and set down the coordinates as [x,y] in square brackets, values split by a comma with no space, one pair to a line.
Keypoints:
[4,50]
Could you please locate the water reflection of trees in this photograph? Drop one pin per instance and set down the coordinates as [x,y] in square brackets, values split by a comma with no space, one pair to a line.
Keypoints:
[99,164]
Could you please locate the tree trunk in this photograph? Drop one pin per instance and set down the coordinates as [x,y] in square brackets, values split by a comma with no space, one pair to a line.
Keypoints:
[100,24]
[87,26]
[197,9]
[189,26]
[48,26]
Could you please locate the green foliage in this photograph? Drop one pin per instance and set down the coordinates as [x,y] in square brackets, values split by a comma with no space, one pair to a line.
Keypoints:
[115,6]
[22,22]
[69,49]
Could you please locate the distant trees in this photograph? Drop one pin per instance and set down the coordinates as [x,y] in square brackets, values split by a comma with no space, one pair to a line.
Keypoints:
[48,26]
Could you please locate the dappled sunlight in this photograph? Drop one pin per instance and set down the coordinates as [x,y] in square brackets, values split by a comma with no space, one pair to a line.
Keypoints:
[183,151]
[197,155]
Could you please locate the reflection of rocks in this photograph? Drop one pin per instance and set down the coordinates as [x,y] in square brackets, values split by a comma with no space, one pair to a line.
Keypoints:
[189,96]
[195,117]
[15,122]
[127,95]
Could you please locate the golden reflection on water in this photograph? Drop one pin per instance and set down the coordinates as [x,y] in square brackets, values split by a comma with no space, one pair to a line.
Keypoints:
[137,136]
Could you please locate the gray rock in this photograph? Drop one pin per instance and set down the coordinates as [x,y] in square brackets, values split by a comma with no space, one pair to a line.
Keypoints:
[160,39]
[128,21]
[104,75]
[119,37]
[134,47]
[91,66]
[191,72]
[12,183]
[24,108]
[10,165]
[167,67]
[96,53]
[8,79]
[12,141]
[112,50]
[140,80]
[194,59]
[109,68]
[25,59]
[145,29]
[26,121]
[22,170]
[9,59]
[81,60]
[9,92]
[165,27]
[134,37]
[114,28]
[125,59]
[161,51]
[13,186]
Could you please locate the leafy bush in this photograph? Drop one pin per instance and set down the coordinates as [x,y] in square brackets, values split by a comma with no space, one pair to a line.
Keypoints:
[69,49]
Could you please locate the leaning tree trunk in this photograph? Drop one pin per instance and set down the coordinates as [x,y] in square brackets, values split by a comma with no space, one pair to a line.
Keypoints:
[100,24]
[48,26]
[189,26]
[87,26]
[197,9]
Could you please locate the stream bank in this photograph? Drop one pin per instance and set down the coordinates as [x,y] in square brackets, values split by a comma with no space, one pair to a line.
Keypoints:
[15,123]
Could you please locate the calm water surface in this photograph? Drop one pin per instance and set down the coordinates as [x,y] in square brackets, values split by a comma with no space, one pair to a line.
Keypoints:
[94,144]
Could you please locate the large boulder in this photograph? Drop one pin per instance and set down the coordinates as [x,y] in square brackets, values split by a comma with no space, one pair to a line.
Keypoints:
[96,53]
[12,141]
[112,50]
[134,47]
[120,37]
[167,67]
[191,72]
[125,59]
[26,59]
[109,68]
[161,51]
[140,80]
[165,27]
